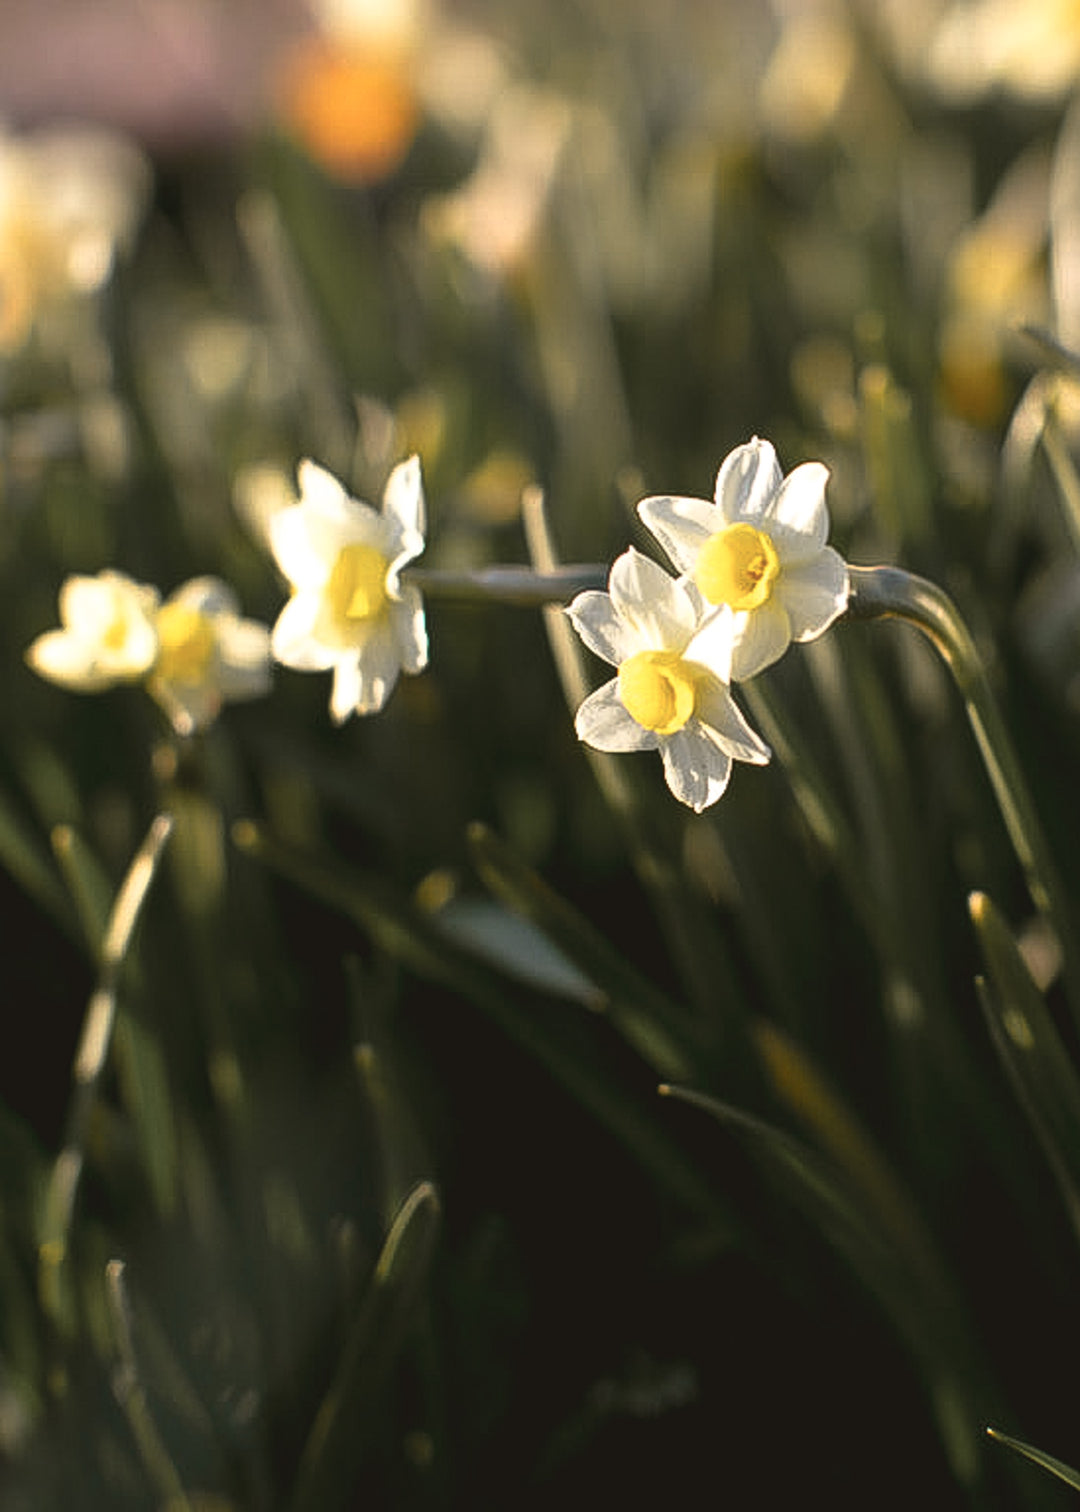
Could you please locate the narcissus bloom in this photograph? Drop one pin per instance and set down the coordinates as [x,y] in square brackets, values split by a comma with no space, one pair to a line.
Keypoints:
[70,198]
[207,654]
[759,548]
[108,634]
[350,611]
[193,653]
[671,694]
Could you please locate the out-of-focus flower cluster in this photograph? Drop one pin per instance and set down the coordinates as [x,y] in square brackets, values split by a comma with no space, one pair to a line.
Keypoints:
[349,613]
[193,653]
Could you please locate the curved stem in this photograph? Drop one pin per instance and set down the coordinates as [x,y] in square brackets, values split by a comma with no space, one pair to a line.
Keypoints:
[508,585]
[882,592]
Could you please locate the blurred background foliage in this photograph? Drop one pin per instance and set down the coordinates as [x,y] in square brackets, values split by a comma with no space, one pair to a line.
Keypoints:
[333,1166]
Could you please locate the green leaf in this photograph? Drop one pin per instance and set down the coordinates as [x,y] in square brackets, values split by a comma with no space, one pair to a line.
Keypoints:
[1031,1050]
[657,1028]
[925,1311]
[541,1026]
[29,864]
[386,1312]
[111,932]
[88,883]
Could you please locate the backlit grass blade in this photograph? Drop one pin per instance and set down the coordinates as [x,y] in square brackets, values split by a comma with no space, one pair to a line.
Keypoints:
[1056,1467]
[91,1059]
[27,862]
[925,1311]
[888,591]
[386,1313]
[1031,1050]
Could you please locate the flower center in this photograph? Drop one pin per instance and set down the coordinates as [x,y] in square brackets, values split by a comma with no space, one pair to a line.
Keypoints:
[657,688]
[357,586]
[737,566]
[186,645]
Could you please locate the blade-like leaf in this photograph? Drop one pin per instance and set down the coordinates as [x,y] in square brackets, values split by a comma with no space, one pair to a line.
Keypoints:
[1056,1467]
[656,1027]
[378,1331]
[1031,1050]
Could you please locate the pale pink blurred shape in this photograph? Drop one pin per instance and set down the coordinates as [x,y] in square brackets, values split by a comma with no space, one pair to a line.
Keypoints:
[174,73]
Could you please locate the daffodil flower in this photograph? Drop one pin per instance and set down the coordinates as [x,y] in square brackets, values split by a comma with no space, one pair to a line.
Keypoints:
[207,655]
[108,634]
[350,611]
[671,694]
[70,198]
[760,549]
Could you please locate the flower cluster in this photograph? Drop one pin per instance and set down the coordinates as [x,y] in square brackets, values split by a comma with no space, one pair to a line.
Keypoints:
[756,573]
[193,652]
[349,613]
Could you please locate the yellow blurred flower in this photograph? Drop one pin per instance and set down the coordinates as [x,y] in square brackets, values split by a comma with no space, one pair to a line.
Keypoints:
[207,655]
[193,653]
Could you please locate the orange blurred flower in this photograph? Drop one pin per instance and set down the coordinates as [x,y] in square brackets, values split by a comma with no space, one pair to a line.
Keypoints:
[355,110]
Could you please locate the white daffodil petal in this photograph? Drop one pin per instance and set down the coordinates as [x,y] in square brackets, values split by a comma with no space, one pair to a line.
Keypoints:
[682,526]
[305,561]
[800,506]
[747,481]
[603,722]
[696,768]
[351,612]
[135,656]
[657,606]
[607,635]
[63,659]
[714,642]
[321,490]
[403,499]
[761,638]
[410,630]
[292,641]
[345,693]
[244,652]
[718,712]
[815,593]
[379,666]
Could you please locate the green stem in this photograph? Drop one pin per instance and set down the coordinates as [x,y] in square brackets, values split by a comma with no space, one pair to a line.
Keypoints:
[508,585]
[882,592]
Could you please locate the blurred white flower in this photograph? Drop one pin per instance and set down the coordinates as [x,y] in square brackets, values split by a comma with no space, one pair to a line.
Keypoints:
[108,634]
[349,611]
[70,199]
[207,656]
[760,549]
[1028,48]
[493,216]
[671,694]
